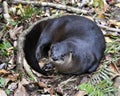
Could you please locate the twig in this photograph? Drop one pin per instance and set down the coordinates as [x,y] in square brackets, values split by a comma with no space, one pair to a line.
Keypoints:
[108,28]
[6,13]
[48,4]
[66,81]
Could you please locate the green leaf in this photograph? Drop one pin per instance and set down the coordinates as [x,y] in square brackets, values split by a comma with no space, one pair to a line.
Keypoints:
[7,91]
[2,82]
[100,89]
[3,48]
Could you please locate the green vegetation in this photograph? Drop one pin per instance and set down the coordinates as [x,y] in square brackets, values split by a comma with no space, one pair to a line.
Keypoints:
[2,82]
[4,48]
[23,14]
[113,48]
[101,89]
[29,12]
[7,91]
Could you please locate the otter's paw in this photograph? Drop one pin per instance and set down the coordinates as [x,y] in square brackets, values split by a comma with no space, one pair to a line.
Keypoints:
[48,67]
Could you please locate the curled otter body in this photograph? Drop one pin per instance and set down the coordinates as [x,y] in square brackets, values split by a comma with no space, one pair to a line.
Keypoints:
[74,44]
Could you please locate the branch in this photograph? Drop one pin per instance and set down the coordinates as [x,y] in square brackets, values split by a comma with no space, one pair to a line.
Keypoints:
[6,13]
[108,28]
[48,4]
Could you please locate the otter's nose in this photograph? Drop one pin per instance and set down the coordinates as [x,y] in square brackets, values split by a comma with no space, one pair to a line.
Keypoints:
[54,58]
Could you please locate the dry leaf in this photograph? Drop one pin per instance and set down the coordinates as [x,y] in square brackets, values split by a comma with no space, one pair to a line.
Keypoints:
[118,4]
[42,62]
[15,32]
[2,93]
[114,22]
[117,85]
[12,87]
[3,72]
[49,90]
[107,39]
[101,15]
[13,77]
[118,62]
[3,66]
[21,90]
[81,93]
[59,90]
[114,67]
[42,85]
[21,9]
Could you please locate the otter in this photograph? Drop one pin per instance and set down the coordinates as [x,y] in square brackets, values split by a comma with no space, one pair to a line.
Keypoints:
[73,44]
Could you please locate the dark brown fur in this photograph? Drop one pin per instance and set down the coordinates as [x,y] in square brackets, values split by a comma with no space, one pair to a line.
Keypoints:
[62,36]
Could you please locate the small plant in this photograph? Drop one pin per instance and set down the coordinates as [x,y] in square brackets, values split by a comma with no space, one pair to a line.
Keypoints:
[113,48]
[29,12]
[98,4]
[0,16]
[24,14]
[4,48]
[2,82]
[101,89]
[7,91]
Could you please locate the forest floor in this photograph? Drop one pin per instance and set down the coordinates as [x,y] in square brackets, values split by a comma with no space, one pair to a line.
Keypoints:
[20,80]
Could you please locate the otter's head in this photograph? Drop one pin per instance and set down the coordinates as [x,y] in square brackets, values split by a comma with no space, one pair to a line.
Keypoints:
[60,53]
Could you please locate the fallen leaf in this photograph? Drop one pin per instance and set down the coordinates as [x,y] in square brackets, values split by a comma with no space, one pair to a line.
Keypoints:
[49,90]
[114,69]
[20,9]
[2,93]
[3,72]
[118,4]
[110,2]
[59,90]
[42,85]
[80,93]
[114,22]
[13,86]
[13,77]
[21,91]
[15,32]
[101,15]
[118,62]
[3,66]
[42,62]
[117,85]
[107,39]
